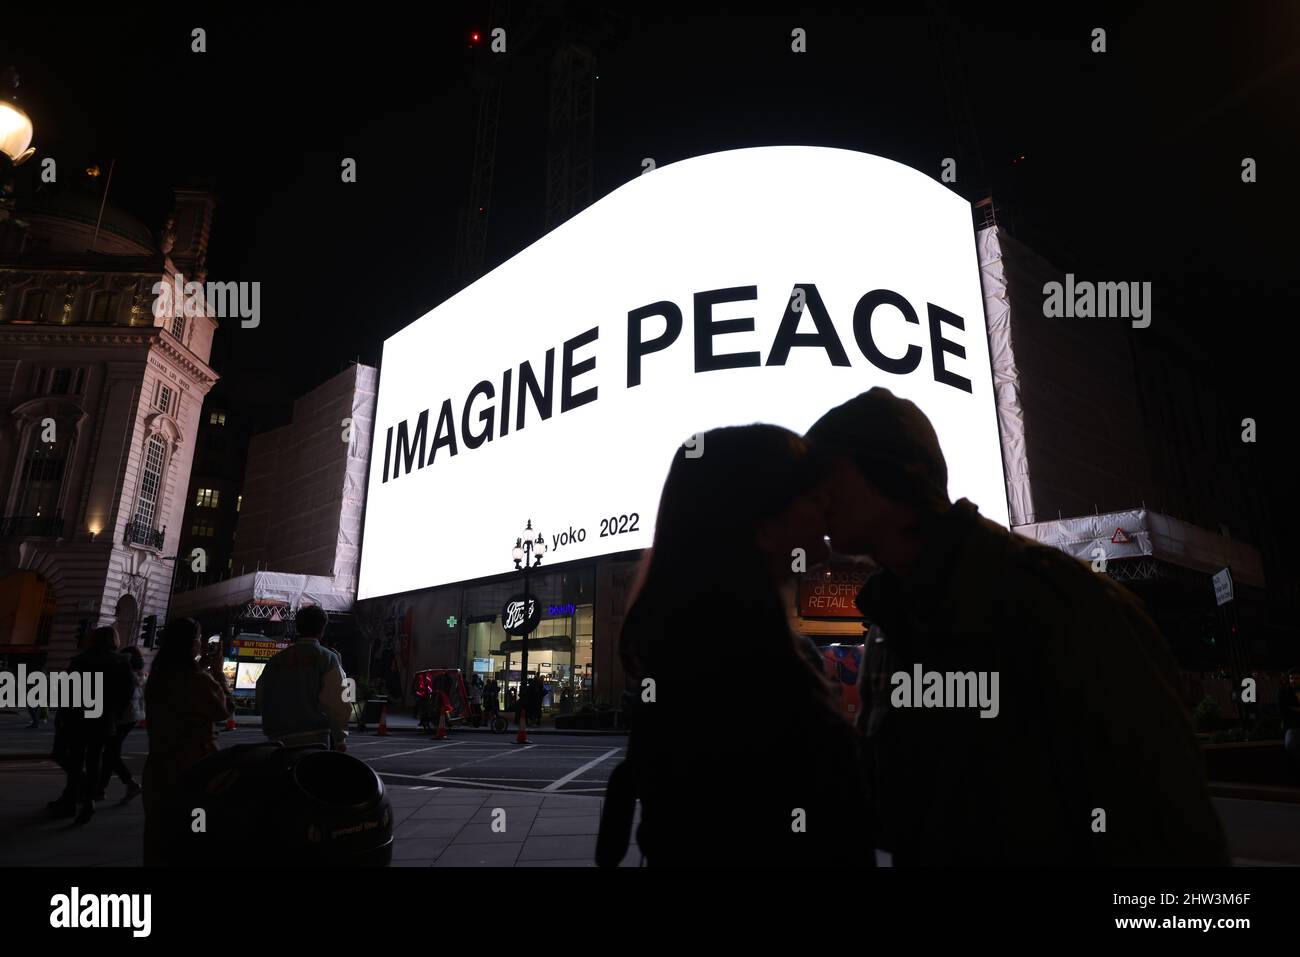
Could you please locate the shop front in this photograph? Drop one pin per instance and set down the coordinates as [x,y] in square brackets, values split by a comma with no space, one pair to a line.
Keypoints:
[561,652]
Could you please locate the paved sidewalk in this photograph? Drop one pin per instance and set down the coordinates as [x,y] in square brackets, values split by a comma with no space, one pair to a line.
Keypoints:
[434,827]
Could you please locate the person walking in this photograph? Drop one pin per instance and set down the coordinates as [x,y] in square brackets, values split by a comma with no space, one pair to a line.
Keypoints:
[184,701]
[300,692]
[91,730]
[1085,754]
[131,714]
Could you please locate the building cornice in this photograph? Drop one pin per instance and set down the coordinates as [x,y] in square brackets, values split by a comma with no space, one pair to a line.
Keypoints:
[148,336]
[200,372]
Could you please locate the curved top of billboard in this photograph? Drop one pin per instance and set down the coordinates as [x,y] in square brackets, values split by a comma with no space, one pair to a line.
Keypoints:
[754,285]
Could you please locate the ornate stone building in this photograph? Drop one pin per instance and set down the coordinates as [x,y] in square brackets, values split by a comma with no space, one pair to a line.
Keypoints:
[100,402]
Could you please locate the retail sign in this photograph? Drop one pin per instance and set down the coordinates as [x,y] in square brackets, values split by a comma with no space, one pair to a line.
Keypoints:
[828,591]
[756,285]
[1222,587]
[514,619]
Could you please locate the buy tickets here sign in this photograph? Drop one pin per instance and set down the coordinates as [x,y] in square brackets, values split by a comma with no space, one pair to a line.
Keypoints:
[256,650]
[828,591]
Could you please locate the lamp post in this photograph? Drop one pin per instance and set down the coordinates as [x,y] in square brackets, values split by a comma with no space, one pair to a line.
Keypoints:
[171,589]
[527,554]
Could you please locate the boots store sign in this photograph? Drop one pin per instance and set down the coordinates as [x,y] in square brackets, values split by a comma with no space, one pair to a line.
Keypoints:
[756,285]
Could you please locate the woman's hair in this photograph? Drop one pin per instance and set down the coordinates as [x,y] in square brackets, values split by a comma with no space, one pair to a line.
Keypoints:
[704,597]
[176,647]
[103,638]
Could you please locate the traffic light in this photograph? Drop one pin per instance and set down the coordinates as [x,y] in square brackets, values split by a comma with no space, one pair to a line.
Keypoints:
[148,628]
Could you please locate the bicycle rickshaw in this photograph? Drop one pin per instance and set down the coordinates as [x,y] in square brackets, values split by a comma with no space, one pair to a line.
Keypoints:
[442,691]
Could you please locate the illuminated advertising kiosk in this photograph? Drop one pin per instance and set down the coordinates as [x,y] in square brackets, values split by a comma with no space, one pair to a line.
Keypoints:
[755,285]
[246,656]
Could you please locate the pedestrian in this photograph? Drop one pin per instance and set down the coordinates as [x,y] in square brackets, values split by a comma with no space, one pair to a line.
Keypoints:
[131,714]
[491,701]
[1086,754]
[300,692]
[65,805]
[1288,709]
[773,794]
[476,694]
[105,674]
[183,701]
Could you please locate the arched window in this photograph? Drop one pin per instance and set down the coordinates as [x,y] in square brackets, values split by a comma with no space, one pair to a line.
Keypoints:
[146,506]
[42,478]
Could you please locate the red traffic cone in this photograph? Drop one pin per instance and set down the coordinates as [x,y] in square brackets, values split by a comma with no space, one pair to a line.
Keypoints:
[442,725]
[383,720]
[231,725]
[522,737]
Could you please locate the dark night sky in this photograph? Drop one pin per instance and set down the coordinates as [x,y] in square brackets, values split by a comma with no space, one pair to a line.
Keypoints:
[1131,168]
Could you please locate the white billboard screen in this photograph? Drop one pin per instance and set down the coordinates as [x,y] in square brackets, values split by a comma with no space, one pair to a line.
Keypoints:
[757,285]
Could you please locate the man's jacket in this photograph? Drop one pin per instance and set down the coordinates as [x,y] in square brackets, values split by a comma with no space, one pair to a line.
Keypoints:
[1091,758]
[301,690]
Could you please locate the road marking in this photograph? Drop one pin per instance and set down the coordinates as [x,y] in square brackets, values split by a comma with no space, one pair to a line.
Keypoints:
[494,755]
[556,785]
[435,773]
[398,754]
[472,785]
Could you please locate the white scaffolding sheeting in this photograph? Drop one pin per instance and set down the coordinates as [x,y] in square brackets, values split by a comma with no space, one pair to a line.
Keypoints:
[293,590]
[1006,376]
[1141,533]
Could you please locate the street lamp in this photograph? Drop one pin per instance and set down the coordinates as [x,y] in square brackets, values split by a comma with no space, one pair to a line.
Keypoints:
[15,142]
[527,554]
[15,124]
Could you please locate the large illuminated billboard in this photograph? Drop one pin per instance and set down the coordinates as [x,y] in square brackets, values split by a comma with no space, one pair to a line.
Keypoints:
[756,285]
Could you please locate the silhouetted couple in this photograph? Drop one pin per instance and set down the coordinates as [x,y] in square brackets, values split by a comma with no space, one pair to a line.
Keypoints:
[1086,755]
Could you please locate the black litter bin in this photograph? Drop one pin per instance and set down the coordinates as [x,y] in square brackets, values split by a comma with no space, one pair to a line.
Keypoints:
[271,805]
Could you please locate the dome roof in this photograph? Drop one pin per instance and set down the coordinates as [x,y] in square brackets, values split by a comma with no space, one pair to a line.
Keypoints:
[82,208]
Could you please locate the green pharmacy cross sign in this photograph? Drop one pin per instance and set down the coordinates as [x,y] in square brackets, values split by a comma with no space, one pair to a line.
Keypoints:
[451,621]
